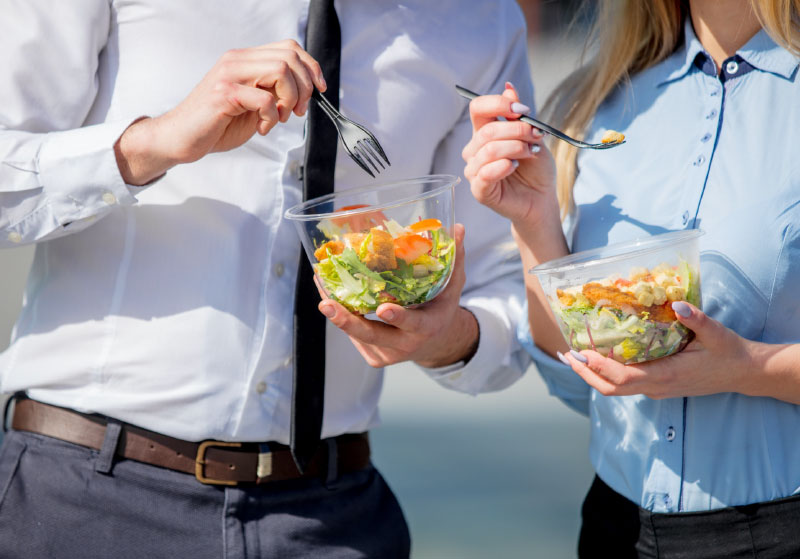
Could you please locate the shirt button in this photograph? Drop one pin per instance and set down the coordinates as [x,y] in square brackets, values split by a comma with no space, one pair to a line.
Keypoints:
[685,217]
[279,269]
[705,138]
[712,114]
[670,434]
[732,67]
[109,199]
[261,387]
[295,169]
[700,160]
[14,237]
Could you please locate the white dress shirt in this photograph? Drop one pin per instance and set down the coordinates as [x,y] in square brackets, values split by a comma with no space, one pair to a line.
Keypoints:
[170,306]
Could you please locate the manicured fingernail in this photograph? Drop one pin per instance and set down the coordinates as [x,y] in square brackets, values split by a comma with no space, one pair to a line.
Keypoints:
[536,148]
[388,316]
[682,309]
[509,85]
[561,358]
[328,310]
[519,108]
[514,163]
[578,356]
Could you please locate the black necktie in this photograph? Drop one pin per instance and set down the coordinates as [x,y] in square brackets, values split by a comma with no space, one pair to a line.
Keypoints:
[323,42]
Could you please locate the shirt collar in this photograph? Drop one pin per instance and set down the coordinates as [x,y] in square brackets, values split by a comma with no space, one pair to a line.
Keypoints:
[680,63]
[768,56]
[761,52]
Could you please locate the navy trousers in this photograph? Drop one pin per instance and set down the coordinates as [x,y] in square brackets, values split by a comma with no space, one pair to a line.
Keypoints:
[63,501]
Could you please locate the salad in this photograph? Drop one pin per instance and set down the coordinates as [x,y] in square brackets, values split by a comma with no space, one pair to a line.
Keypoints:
[368,260]
[629,319]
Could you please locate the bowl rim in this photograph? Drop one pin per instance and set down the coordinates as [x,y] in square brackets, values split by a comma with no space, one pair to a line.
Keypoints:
[620,251]
[447,182]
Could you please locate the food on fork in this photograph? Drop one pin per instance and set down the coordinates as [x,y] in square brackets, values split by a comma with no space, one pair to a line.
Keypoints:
[612,137]
[369,260]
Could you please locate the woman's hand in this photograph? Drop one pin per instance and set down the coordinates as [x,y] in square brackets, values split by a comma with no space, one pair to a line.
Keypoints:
[247,91]
[717,360]
[508,167]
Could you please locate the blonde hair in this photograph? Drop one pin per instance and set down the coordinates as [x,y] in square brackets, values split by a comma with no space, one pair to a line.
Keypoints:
[629,36]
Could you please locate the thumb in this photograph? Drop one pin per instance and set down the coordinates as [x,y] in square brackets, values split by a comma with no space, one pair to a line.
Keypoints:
[704,327]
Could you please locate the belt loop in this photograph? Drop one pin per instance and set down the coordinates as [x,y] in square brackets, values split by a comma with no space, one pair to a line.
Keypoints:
[6,409]
[109,449]
[333,463]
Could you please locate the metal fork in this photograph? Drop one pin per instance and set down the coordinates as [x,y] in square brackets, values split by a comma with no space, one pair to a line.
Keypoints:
[360,144]
[464,92]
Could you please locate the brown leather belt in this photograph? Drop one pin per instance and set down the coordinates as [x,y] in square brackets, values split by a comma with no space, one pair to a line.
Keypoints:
[211,462]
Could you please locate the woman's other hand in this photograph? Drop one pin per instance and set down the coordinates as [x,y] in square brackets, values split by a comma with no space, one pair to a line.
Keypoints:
[508,167]
[717,360]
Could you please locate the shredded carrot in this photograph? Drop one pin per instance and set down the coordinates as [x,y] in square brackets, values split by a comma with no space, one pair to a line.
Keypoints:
[430,224]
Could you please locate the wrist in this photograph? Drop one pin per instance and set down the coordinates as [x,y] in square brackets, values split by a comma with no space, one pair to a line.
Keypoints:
[140,155]
[464,337]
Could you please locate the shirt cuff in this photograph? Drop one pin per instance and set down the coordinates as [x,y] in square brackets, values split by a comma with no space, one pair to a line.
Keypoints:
[561,381]
[472,377]
[78,171]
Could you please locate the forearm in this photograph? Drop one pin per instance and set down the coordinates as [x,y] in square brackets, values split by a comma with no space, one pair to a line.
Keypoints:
[773,370]
[141,157]
[538,245]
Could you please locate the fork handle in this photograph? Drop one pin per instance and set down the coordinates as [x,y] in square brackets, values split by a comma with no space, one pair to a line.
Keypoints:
[464,92]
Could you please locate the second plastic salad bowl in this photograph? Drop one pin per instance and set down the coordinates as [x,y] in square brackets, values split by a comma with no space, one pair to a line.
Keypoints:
[617,299]
[391,242]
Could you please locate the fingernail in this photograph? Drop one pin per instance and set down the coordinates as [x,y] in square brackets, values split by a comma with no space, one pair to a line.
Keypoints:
[536,148]
[536,132]
[328,310]
[563,359]
[682,309]
[388,316]
[514,163]
[324,83]
[509,85]
[519,108]
[578,356]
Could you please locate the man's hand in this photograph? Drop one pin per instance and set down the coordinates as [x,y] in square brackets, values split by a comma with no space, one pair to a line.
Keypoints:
[436,334]
[247,91]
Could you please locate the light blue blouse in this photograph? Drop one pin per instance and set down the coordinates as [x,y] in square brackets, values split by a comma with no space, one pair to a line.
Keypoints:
[722,154]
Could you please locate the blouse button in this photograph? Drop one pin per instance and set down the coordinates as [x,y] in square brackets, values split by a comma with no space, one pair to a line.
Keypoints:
[700,160]
[261,387]
[712,114]
[670,434]
[685,217]
[279,269]
[705,138]
[732,67]
[14,237]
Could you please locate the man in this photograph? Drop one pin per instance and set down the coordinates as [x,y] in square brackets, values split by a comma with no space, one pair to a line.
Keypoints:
[151,158]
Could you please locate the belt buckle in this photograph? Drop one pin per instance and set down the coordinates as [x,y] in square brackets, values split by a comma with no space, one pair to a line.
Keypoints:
[200,462]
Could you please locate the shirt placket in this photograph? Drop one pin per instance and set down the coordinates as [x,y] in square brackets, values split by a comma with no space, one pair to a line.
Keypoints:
[663,491]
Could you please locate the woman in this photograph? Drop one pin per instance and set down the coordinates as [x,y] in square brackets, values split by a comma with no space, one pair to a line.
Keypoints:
[696,454]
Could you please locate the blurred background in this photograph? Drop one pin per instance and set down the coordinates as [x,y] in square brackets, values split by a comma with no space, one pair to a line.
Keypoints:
[499,475]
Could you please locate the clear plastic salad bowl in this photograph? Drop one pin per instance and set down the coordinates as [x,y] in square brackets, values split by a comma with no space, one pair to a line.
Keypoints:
[617,299]
[385,243]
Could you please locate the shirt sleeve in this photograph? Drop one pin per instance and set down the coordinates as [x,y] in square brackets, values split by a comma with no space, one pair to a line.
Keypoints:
[56,175]
[562,382]
[494,290]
